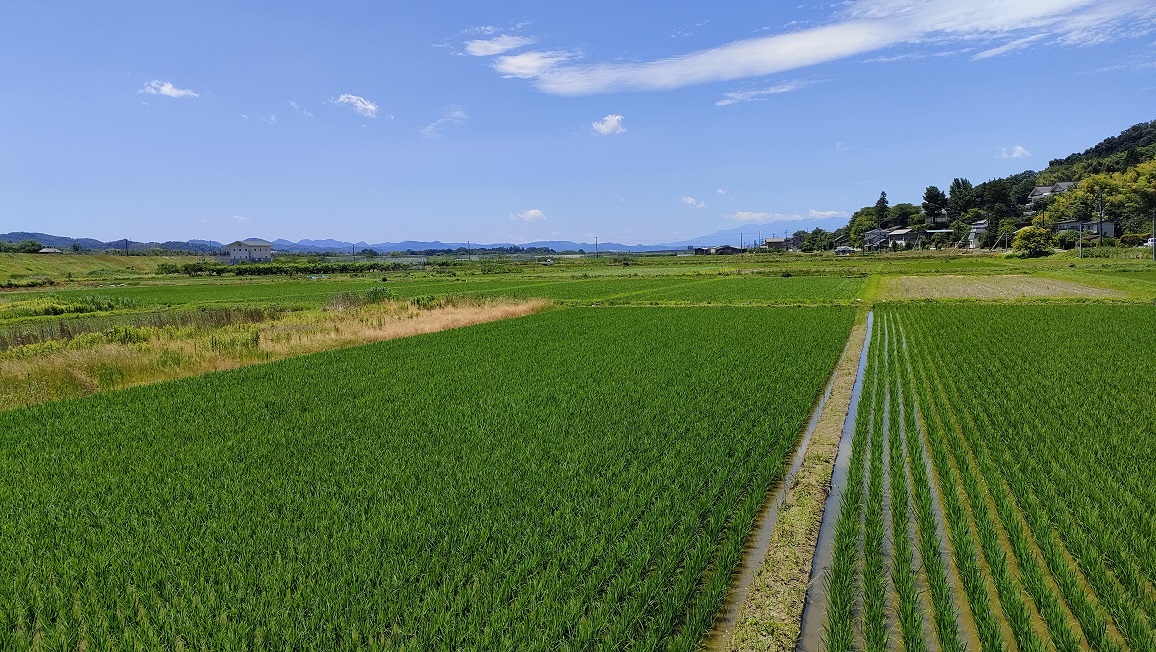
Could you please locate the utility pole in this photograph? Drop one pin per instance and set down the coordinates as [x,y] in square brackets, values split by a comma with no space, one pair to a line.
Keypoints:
[1080,242]
[1100,194]
[1153,238]
[126,246]
[469,252]
[595,246]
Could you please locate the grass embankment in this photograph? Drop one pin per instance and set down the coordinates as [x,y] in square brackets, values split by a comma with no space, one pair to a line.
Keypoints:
[125,355]
[769,619]
[22,268]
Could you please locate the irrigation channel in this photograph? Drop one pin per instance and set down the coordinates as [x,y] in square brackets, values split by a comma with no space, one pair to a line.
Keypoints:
[889,544]
[814,605]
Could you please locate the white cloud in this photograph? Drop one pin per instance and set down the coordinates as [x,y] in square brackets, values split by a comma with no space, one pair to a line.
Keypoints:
[362,106]
[843,147]
[736,97]
[480,29]
[158,87]
[241,218]
[692,202]
[532,215]
[752,217]
[496,45]
[1017,44]
[451,116]
[825,214]
[611,124]
[721,192]
[530,65]
[859,27]
[1016,152]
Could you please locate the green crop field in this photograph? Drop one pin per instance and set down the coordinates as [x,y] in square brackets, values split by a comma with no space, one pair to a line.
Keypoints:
[1004,498]
[623,289]
[580,478]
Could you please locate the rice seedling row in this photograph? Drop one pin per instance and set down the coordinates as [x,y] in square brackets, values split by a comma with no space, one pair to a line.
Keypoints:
[574,479]
[1052,475]
[1044,491]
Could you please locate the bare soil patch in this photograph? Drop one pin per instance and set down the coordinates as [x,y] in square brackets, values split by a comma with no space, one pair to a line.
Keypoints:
[1012,286]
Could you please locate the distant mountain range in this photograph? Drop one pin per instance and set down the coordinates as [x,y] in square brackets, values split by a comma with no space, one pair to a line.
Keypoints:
[739,235]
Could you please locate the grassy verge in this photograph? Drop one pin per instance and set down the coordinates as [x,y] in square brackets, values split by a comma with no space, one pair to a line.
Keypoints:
[769,619]
[125,355]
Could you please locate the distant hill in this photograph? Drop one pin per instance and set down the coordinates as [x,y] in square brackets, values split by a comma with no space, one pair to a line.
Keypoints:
[89,244]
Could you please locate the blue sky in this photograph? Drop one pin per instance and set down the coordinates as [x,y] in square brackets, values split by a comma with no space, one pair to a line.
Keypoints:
[504,121]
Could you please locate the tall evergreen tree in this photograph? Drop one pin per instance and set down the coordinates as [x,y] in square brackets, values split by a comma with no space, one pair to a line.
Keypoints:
[961,197]
[881,208]
[934,202]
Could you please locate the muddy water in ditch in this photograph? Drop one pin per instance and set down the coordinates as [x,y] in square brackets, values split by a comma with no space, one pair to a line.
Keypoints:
[764,527]
[815,603]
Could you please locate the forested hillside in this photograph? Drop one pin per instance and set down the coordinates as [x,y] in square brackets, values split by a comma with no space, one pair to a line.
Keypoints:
[1119,173]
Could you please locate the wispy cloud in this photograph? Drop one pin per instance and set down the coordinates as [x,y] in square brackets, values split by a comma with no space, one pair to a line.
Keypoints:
[532,215]
[1016,152]
[1017,44]
[158,87]
[241,218]
[610,125]
[692,202]
[530,65]
[736,97]
[297,107]
[752,217]
[496,45]
[859,27]
[362,106]
[451,116]
[825,214]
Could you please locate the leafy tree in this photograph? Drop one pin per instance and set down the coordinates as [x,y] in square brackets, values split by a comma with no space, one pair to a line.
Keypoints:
[997,198]
[370,253]
[1032,241]
[934,202]
[819,240]
[797,238]
[862,221]
[1066,239]
[903,214]
[961,197]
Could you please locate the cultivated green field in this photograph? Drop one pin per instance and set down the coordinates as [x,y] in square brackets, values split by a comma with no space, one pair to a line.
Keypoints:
[1037,421]
[577,479]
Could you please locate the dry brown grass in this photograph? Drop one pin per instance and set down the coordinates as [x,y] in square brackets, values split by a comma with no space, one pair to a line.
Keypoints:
[1007,287]
[181,352]
[771,616]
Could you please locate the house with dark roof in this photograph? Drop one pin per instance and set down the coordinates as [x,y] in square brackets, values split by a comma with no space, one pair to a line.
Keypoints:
[1041,192]
[875,239]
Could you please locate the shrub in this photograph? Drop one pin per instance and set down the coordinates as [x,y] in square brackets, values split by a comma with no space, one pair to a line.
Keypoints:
[1032,241]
